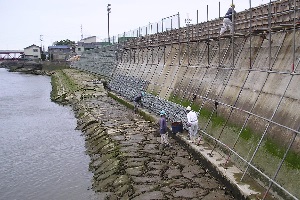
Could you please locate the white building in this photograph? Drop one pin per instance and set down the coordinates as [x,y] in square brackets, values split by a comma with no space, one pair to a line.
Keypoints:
[86,44]
[88,39]
[32,52]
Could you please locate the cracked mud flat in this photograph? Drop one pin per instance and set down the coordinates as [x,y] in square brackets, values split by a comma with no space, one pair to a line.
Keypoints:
[128,161]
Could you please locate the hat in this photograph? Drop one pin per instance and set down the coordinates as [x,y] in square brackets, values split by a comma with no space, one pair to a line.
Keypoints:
[232,5]
[188,108]
[162,112]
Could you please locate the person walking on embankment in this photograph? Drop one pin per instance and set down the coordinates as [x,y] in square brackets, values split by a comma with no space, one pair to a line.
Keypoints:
[192,122]
[227,21]
[163,129]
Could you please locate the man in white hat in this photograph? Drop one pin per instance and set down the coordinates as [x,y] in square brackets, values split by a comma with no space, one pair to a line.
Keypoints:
[192,123]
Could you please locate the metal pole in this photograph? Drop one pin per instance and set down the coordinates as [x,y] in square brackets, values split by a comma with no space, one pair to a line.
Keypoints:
[139,31]
[207,35]
[280,165]
[178,20]
[164,54]
[162,25]
[233,27]
[250,38]
[108,27]
[267,127]
[108,11]
[197,17]
[219,42]
[178,39]
[269,27]
[124,38]
[294,38]
[188,42]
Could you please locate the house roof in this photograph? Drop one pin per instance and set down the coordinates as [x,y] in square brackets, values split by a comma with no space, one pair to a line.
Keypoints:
[88,38]
[33,45]
[59,47]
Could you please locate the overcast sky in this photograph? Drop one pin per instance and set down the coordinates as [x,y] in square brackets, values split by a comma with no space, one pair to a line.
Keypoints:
[27,22]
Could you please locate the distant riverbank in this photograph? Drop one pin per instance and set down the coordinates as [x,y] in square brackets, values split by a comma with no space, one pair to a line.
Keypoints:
[34,67]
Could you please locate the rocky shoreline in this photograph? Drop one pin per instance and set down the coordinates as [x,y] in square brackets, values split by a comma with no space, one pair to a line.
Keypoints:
[127,159]
[32,67]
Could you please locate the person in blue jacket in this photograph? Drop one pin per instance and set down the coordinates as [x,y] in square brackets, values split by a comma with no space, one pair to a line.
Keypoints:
[227,21]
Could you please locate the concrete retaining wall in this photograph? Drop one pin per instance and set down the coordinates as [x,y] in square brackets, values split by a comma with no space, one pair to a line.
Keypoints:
[244,89]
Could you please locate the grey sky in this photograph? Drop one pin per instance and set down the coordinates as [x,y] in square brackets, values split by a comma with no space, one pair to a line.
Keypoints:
[24,21]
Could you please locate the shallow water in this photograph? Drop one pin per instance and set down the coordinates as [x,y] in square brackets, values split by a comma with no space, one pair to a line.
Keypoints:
[41,155]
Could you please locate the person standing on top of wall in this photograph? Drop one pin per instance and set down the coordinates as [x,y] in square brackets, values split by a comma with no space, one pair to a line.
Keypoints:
[192,122]
[227,21]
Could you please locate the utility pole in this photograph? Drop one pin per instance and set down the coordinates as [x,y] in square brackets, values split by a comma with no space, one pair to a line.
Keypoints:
[41,49]
[41,39]
[81,32]
[108,11]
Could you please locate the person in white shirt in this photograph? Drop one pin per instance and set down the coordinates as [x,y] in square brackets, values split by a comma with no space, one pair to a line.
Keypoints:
[192,123]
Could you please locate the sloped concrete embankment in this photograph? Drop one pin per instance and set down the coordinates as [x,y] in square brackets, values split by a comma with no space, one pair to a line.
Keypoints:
[250,107]
[246,97]
[126,157]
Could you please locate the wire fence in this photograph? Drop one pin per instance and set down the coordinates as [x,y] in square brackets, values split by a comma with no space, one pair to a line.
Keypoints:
[165,24]
[243,88]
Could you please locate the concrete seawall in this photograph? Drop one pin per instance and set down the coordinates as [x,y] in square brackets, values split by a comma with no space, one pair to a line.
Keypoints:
[244,88]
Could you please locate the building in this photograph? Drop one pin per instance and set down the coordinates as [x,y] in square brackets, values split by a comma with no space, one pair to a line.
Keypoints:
[88,39]
[86,44]
[32,52]
[59,52]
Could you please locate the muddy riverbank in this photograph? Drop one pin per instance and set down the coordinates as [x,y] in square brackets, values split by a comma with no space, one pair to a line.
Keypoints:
[33,67]
[127,159]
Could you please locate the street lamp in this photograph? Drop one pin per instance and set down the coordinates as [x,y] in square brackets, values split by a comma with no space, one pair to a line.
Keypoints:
[108,11]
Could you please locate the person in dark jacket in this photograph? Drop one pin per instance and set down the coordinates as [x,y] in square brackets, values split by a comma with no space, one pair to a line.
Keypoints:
[163,129]
[138,100]
[227,21]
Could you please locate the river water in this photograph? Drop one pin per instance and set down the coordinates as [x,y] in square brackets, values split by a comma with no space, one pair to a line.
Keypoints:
[41,155]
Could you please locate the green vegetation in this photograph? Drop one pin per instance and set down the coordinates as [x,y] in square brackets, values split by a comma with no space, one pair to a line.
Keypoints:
[61,85]
[154,93]
[43,56]
[51,67]
[292,158]
[64,42]
[68,82]
[54,91]
[128,105]
[246,134]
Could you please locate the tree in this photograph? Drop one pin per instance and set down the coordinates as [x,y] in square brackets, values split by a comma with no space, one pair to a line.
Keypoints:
[43,56]
[64,42]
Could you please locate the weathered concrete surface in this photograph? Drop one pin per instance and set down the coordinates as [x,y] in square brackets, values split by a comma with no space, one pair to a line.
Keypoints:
[256,96]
